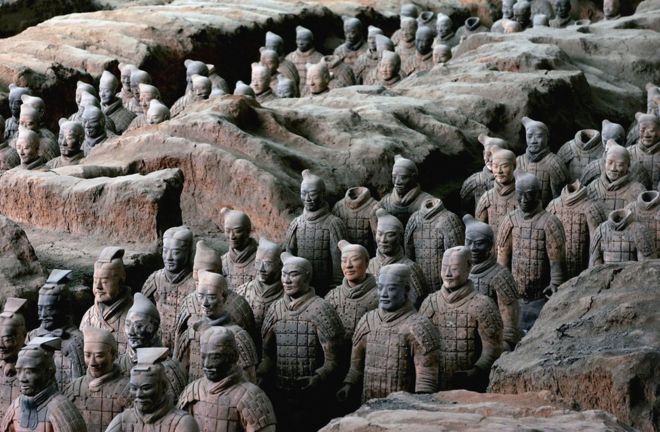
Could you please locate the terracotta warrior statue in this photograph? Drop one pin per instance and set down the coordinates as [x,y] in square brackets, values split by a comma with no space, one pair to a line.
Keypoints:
[112,298]
[358,211]
[646,210]
[531,242]
[15,101]
[138,77]
[93,121]
[238,263]
[87,99]
[540,20]
[493,280]
[522,14]
[611,9]
[71,138]
[580,217]
[383,45]
[538,160]
[478,183]
[616,187]
[507,14]
[647,150]
[314,235]
[408,10]
[395,348]
[367,62]
[318,79]
[406,45]
[423,58]
[211,294]
[32,112]
[260,83]
[53,307]
[444,29]
[12,338]
[8,156]
[223,400]
[302,346]
[201,87]
[471,26]
[82,88]
[562,14]
[469,324]
[609,131]
[286,88]
[112,105]
[431,231]
[142,331]
[357,293]
[497,202]
[147,94]
[207,258]
[27,147]
[102,393]
[305,53]
[193,67]
[168,287]
[621,238]
[269,59]
[125,94]
[266,287]
[41,406]
[341,74]
[286,68]
[389,241]
[407,195]
[355,45]
[152,409]
[576,154]
[157,113]
[389,69]
[243,89]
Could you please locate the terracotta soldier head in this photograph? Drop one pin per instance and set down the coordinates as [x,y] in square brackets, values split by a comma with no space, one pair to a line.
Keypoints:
[53,302]
[12,329]
[649,129]
[318,77]
[219,353]
[528,192]
[138,76]
[71,137]
[510,26]
[426,19]
[147,94]
[195,67]
[408,28]
[93,121]
[29,117]
[404,175]
[354,262]
[503,165]
[286,88]
[383,43]
[479,239]
[444,27]
[243,89]
[507,9]
[389,233]
[304,39]
[456,265]
[15,99]
[142,323]
[260,82]
[157,113]
[389,66]
[35,367]
[296,275]
[88,99]
[83,87]
[522,13]
[201,87]
[109,275]
[274,42]
[353,32]
[372,32]
[206,258]
[237,227]
[611,9]
[211,293]
[27,145]
[148,383]
[562,8]
[490,144]
[268,262]
[177,249]
[612,131]
[536,134]
[540,20]
[393,286]
[424,40]
[409,10]
[312,191]
[652,93]
[617,161]
[100,350]
[441,53]
[125,70]
[37,103]
[270,59]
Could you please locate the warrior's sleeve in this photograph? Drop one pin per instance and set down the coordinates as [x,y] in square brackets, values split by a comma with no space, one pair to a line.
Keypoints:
[269,344]
[247,352]
[595,250]
[256,412]
[64,416]
[358,350]
[86,320]
[73,350]
[330,332]
[559,177]
[189,396]
[489,327]
[185,312]
[337,232]
[149,287]
[481,212]
[505,242]
[591,172]
[454,234]
[291,242]
[595,216]
[645,242]
[8,418]
[182,350]
[426,355]
[507,303]
[565,154]
[187,424]
[408,236]
[555,241]
[468,187]
[419,289]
